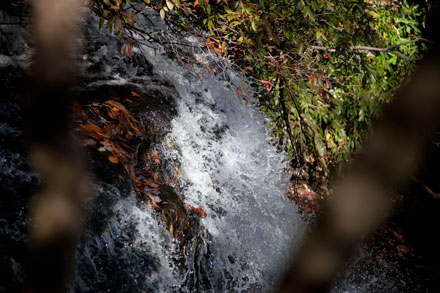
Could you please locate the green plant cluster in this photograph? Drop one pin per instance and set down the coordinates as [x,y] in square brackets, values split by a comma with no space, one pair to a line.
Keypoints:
[322,68]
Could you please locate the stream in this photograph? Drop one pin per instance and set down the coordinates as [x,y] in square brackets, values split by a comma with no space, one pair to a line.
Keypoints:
[226,166]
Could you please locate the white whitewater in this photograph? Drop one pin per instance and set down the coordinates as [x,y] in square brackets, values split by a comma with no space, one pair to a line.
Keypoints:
[230,170]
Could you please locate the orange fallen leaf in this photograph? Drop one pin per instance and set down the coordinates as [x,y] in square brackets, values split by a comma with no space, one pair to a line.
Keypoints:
[398,235]
[92,128]
[209,43]
[155,191]
[113,159]
[156,177]
[113,114]
[135,94]
[155,157]
[200,211]
[88,141]
[153,185]
[115,104]
[105,143]
[403,248]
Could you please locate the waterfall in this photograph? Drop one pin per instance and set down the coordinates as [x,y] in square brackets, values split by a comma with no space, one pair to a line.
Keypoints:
[228,168]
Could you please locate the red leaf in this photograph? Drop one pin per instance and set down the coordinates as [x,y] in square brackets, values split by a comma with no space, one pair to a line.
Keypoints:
[135,94]
[327,84]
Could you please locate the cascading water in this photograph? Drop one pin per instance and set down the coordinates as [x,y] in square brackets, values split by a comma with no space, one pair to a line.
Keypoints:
[230,169]
[227,167]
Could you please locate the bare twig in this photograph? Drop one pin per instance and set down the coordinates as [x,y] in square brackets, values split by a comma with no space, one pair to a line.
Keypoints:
[426,188]
[375,49]
[285,113]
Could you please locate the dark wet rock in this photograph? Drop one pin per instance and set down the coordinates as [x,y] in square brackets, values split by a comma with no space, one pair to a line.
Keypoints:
[105,260]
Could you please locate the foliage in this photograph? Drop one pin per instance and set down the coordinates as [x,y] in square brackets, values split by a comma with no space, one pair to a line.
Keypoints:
[323,69]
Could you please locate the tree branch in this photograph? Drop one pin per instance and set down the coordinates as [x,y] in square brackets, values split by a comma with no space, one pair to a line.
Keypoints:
[426,188]
[285,113]
[375,49]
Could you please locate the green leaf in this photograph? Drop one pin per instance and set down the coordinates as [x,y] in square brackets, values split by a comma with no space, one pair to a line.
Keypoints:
[211,25]
[101,22]
[254,26]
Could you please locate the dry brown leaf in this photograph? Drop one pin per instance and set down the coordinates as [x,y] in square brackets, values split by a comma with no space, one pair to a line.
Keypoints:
[105,142]
[153,185]
[403,248]
[398,235]
[92,128]
[147,181]
[155,157]
[113,159]
[156,177]
[171,229]
[88,141]
[118,106]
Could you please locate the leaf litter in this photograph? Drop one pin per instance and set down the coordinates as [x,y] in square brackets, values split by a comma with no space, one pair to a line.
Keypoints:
[109,127]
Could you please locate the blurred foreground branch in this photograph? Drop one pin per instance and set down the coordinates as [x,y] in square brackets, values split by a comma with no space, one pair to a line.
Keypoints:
[361,200]
[56,209]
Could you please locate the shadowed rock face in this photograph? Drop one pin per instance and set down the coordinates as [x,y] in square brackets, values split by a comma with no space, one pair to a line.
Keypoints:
[102,260]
